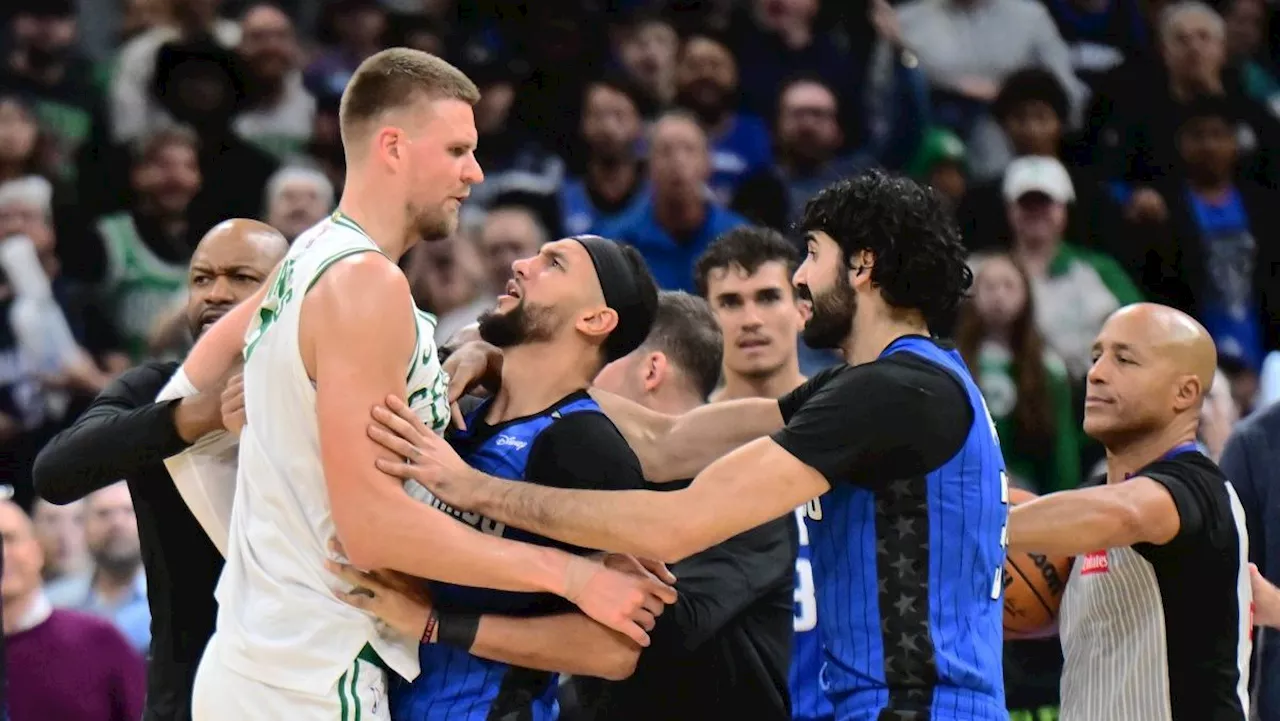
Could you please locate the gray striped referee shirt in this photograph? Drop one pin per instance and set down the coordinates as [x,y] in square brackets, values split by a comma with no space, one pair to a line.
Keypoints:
[1162,633]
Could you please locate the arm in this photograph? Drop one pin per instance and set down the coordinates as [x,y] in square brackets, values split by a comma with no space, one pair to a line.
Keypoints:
[909,422]
[676,447]
[121,431]
[1071,523]
[719,583]
[566,643]
[562,643]
[747,487]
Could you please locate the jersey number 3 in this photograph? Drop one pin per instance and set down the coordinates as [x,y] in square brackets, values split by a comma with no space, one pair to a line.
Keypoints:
[806,598]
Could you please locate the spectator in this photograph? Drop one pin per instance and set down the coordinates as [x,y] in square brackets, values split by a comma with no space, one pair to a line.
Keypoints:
[61,664]
[201,85]
[967,49]
[43,64]
[60,531]
[1033,112]
[297,198]
[509,233]
[1246,27]
[448,280]
[940,163]
[680,220]
[809,141]
[1132,135]
[1101,35]
[115,588]
[707,85]
[24,148]
[138,257]
[1024,384]
[48,369]
[781,40]
[1215,257]
[647,52]
[1074,289]
[613,181]
[135,111]
[513,159]
[352,30]
[279,114]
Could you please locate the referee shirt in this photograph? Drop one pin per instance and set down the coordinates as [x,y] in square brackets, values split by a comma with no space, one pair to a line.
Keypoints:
[1162,633]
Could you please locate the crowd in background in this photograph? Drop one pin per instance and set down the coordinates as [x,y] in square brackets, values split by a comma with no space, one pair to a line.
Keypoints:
[1095,153]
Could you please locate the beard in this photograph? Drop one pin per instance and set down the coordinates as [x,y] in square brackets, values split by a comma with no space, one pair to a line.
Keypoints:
[831,321]
[709,107]
[433,224]
[523,324]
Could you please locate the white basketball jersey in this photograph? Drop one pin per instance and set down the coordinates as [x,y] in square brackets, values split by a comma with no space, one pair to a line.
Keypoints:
[278,619]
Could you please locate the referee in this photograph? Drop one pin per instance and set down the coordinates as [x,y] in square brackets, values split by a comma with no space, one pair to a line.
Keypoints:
[1155,622]
[125,434]
[895,450]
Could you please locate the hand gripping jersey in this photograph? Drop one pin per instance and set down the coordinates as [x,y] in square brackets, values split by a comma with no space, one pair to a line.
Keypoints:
[278,618]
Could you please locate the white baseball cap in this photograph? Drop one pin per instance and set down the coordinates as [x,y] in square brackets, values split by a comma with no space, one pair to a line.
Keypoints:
[1038,174]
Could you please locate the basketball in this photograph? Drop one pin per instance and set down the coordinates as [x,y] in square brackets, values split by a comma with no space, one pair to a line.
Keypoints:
[1033,585]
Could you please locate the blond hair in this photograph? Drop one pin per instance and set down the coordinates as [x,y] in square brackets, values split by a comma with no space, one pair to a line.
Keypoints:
[396,78]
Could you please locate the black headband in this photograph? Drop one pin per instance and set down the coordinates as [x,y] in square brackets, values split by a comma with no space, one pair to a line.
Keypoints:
[621,293]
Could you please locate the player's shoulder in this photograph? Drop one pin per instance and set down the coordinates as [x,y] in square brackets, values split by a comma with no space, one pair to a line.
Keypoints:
[584,426]
[901,375]
[582,448]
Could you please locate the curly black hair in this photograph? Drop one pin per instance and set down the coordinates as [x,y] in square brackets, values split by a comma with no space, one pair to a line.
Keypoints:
[919,257]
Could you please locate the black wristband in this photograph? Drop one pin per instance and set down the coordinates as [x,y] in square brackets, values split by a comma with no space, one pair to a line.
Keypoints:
[443,353]
[458,629]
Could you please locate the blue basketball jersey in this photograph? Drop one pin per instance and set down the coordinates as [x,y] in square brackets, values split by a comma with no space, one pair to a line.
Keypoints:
[808,702]
[453,684]
[909,580]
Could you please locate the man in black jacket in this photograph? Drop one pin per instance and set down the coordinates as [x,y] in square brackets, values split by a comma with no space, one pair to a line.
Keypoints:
[126,434]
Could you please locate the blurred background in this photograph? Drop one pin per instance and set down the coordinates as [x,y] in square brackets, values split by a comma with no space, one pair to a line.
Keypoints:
[1094,152]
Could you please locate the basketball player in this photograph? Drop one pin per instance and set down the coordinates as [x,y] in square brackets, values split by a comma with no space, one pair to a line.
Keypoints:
[334,333]
[1155,617]
[125,434]
[578,304]
[908,554]
[745,275]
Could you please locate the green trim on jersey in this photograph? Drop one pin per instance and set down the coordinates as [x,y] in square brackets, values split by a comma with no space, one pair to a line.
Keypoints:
[324,264]
[346,221]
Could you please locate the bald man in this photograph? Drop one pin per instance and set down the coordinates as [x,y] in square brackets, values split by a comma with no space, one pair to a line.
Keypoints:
[125,434]
[1155,620]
